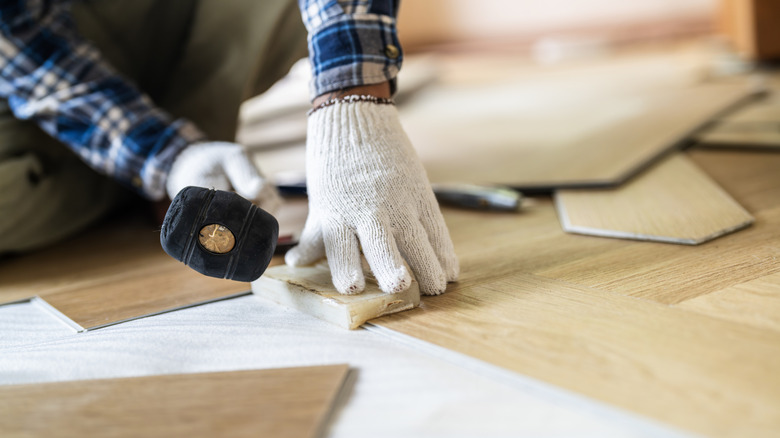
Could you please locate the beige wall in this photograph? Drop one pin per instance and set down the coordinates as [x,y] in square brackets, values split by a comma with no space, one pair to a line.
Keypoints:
[423,22]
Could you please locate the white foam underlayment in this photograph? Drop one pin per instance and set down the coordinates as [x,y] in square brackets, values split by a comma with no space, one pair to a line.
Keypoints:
[402,386]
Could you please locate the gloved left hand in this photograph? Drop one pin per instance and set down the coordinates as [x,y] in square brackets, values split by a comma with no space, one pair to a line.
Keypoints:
[222,166]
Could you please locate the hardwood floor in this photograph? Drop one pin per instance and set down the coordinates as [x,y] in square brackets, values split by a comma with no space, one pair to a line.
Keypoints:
[612,319]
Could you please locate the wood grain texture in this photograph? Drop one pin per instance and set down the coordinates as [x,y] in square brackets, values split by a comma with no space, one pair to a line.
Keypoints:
[673,202]
[292,402]
[116,273]
[681,368]
[755,303]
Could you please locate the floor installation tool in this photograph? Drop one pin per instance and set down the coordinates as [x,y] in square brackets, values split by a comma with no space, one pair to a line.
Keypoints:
[221,234]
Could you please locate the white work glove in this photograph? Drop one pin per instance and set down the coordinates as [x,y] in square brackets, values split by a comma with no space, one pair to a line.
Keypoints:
[222,166]
[368,188]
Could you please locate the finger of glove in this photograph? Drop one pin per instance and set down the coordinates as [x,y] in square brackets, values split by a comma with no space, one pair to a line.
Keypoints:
[341,247]
[242,173]
[383,257]
[439,238]
[310,248]
[418,252]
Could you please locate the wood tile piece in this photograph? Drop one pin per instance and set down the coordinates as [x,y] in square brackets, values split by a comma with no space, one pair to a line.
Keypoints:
[116,300]
[699,373]
[672,202]
[558,142]
[114,273]
[758,135]
[762,111]
[310,290]
[292,402]
[755,303]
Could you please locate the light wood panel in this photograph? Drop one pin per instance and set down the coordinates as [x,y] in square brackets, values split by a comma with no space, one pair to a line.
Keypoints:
[755,303]
[766,110]
[293,402]
[118,272]
[674,202]
[543,136]
[699,373]
[758,135]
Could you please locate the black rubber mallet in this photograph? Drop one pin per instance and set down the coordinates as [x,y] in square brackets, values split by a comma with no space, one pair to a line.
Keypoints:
[219,234]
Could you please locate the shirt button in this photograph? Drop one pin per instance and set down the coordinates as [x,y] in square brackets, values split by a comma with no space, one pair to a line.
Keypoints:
[137,181]
[392,51]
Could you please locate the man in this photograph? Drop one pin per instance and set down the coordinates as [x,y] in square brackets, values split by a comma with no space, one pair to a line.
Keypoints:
[147,93]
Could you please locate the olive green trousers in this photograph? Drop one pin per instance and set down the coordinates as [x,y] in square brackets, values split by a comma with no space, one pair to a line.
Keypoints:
[198,59]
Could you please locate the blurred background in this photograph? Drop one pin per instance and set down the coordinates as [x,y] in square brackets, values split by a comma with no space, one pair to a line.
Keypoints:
[751,26]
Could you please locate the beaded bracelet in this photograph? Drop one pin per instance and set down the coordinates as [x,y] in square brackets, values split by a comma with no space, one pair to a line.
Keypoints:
[351,99]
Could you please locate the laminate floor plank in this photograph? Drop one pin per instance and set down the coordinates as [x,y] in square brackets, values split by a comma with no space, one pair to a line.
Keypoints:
[291,402]
[765,110]
[674,202]
[549,141]
[739,135]
[111,300]
[116,248]
[755,303]
[116,273]
[671,274]
[749,177]
[699,373]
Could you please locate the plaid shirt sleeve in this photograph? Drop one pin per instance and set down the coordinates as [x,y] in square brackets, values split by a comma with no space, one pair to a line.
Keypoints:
[351,42]
[52,76]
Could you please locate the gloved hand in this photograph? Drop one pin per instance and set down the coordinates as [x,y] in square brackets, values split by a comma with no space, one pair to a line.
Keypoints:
[368,188]
[222,166]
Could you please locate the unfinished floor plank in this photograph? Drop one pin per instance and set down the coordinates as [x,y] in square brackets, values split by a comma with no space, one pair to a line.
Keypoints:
[112,301]
[739,135]
[543,136]
[766,110]
[117,273]
[699,373]
[755,303]
[673,202]
[292,402]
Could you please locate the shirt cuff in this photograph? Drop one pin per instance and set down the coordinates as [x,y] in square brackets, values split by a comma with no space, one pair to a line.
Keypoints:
[354,50]
[150,176]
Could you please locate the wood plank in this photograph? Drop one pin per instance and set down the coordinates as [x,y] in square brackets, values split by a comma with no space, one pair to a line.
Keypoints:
[751,178]
[741,135]
[292,402]
[673,202]
[527,133]
[762,111]
[699,373]
[110,300]
[755,303]
[116,273]
[674,273]
[309,289]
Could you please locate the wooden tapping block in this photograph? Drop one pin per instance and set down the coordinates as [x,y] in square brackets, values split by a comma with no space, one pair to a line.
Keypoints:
[309,289]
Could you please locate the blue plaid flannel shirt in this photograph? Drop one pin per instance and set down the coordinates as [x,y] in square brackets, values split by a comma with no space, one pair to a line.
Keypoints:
[50,75]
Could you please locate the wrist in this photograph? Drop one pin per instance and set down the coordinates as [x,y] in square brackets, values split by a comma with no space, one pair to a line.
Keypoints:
[381,90]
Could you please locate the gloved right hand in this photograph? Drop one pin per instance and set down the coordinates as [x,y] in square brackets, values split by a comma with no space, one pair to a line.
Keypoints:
[222,166]
[368,189]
